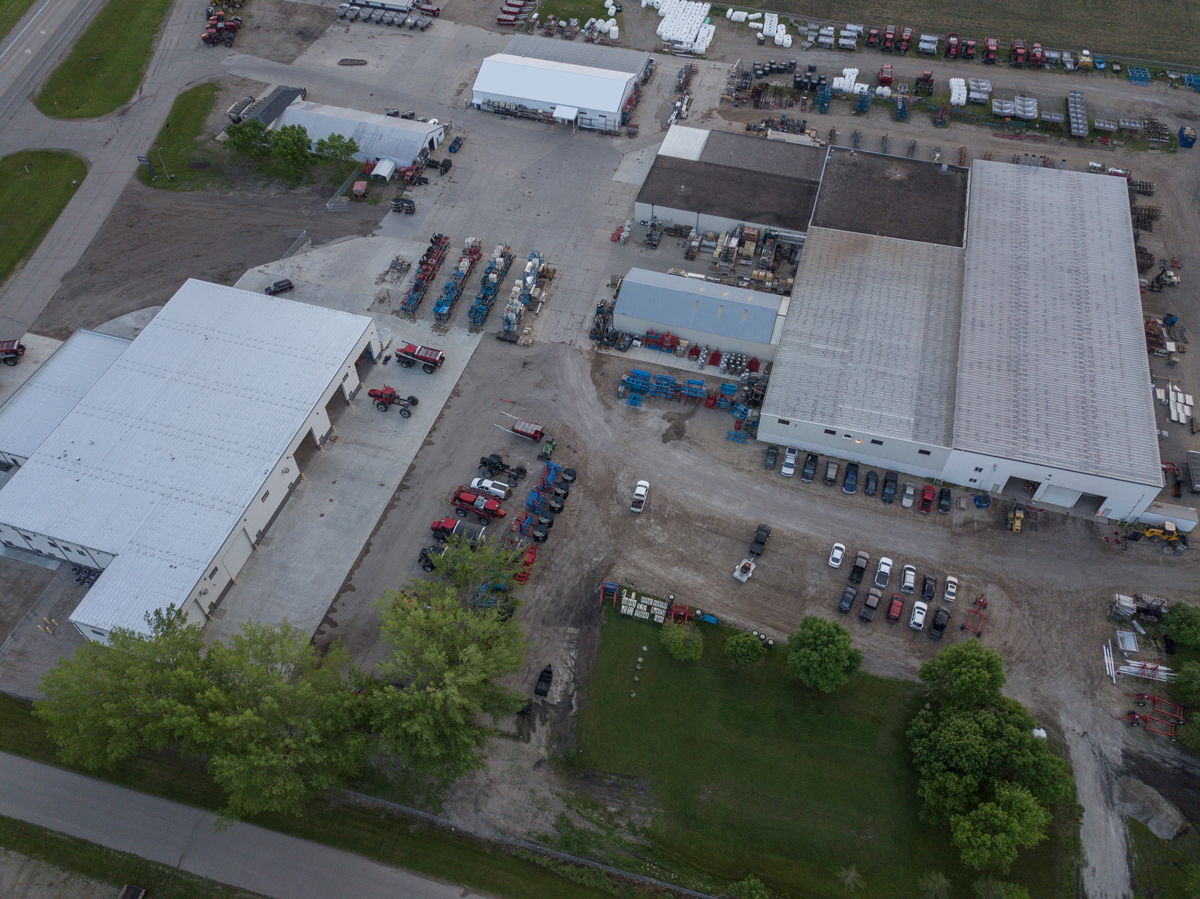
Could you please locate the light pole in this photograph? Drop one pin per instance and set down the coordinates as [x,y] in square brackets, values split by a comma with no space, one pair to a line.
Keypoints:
[170,177]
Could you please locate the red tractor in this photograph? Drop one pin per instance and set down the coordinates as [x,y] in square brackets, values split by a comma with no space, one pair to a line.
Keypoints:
[873,37]
[905,39]
[968,50]
[388,397]
[1037,56]
[1016,52]
[889,39]
[11,351]
[952,46]
[991,49]
[428,358]
[221,30]
[484,507]
[924,83]
[885,75]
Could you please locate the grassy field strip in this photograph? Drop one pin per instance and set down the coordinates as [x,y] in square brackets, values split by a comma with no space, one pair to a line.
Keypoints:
[751,773]
[178,143]
[107,63]
[35,186]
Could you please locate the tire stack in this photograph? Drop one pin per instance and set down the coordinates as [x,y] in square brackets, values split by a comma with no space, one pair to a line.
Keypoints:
[732,364]
[84,576]
[545,521]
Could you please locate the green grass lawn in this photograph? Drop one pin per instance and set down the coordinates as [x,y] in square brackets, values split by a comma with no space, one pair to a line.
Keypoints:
[1156,30]
[34,188]
[109,866]
[1160,870]
[573,9]
[10,14]
[107,63]
[194,161]
[752,773]
[370,832]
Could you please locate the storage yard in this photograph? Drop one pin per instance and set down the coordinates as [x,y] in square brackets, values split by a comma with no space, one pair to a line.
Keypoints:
[614,301]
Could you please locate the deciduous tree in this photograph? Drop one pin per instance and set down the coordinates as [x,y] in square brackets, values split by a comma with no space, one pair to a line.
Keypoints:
[291,149]
[820,654]
[1182,624]
[250,138]
[934,885]
[750,888]
[989,836]
[964,675]
[336,148]
[440,674]
[744,649]
[109,702]
[682,641]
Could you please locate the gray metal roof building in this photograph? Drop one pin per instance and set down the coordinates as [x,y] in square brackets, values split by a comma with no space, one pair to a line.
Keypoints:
[871,337]
[1053,366]
[377,135]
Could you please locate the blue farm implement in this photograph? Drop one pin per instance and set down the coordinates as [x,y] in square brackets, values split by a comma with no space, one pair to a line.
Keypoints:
[427,270]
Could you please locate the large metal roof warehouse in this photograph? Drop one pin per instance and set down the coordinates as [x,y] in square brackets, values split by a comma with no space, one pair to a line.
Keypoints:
[577,83]
[169,469]
[1016,355]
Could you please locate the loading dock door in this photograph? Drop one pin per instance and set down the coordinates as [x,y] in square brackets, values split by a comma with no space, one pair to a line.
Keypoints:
[238,553]
[1057,496]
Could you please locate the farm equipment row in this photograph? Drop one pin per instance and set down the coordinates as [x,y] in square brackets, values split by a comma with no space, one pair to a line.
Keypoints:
[527,288]
[416,16]
[427,270]
[493,276]
[454,287]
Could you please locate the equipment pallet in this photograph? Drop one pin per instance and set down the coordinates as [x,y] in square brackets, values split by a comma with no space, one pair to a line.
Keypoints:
[736,437]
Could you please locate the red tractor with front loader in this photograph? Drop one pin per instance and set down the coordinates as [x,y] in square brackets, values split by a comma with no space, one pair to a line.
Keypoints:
[221,30]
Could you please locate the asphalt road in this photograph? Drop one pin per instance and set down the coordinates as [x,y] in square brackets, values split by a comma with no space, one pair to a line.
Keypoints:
[243,856]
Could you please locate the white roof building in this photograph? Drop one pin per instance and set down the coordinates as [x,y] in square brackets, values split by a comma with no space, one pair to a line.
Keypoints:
[378,136]
[169,468]
[582,84]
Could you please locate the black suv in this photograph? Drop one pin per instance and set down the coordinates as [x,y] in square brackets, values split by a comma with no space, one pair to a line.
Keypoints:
[772,455]
[280,287]
[847,599]
[872,483]
[940,619]
[759,543]
[944,500]
[850,479]
[810,468]
[928,588]
[889,487]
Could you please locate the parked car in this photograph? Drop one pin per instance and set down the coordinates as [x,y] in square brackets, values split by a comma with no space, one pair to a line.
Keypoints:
[810,468]
[951,592]
[282,286]
[872,483]
[910,491]
[928,587]
[847,599]
[859,568]
[926,500]
[759,543]
[944,500]
[772,455]
[889,487]
[850,480]
[495,488]
[831,470]
[937,627]
[870,604]
[917,621]
[641,492]
[896,609]
[908,579]
[836,555]
[788,468]
[883,572]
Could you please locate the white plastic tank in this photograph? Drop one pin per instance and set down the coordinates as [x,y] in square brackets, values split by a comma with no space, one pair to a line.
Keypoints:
[778,40]
[614,32]
[787,40]
[729,13]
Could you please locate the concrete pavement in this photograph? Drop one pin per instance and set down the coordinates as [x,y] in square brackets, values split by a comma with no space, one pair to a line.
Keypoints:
[244,856]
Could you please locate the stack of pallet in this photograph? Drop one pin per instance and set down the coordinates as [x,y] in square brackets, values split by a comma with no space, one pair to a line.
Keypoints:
[1179,404]
[645,608]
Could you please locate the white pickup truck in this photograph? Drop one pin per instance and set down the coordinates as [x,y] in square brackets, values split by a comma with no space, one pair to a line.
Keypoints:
[640,492]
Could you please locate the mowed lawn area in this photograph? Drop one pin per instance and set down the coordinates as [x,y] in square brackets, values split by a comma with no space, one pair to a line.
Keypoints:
[752,773]
[34,188]
[107,63]
[1156,29]
[178,144]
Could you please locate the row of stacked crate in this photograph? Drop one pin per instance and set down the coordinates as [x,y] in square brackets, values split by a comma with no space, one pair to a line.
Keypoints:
[645,608]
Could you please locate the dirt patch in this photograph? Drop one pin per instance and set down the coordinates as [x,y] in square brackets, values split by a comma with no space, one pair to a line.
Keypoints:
[153,240]
[20,586]
[279,30]
[26,878]
[1145,804]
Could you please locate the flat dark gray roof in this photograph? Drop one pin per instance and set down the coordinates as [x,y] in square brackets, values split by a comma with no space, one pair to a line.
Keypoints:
[775,157]
[893,196]
[743,194]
